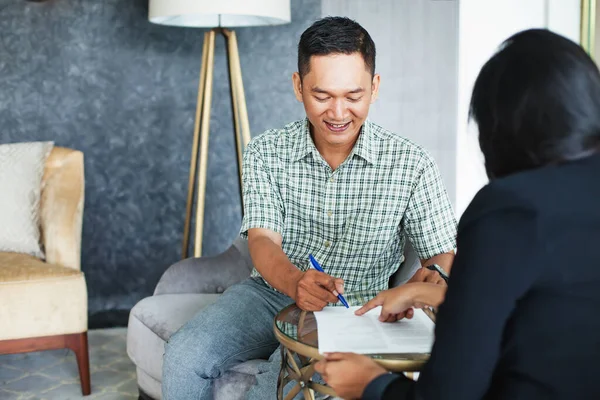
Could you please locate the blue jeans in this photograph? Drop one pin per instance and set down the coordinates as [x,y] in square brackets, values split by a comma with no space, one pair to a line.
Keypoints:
[238,327]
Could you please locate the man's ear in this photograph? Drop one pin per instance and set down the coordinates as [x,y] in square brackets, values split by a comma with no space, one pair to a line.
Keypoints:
[375,87]
[297,81]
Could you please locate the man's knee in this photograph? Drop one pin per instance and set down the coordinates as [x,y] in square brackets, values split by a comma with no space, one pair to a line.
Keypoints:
[190,353]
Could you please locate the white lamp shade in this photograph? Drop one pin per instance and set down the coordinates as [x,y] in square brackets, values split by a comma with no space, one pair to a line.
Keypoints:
[214,13]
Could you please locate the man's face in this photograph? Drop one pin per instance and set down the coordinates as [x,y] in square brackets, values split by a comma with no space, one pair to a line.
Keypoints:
[337,94]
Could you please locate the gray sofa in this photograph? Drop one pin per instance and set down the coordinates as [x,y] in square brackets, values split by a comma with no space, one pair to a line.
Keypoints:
[183,290]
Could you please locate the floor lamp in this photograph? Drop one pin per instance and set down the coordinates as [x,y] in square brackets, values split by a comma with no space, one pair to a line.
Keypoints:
[219,15]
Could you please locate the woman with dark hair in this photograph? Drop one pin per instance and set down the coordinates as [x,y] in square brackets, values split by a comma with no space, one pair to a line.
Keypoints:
[519,319]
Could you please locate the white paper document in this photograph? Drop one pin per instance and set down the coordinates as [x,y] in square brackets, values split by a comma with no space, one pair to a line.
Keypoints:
[340,330]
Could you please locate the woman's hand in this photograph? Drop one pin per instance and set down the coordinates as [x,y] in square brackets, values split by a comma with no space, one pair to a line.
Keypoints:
[348,374]
[398,303]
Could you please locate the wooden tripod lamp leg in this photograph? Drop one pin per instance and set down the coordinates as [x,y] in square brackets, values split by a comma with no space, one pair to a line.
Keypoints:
[204,132]
[240,112]
[233,83]
[194,157]
[240,90]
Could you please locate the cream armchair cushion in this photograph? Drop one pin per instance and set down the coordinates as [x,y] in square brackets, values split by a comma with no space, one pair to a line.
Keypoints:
[21,170]
[40,299]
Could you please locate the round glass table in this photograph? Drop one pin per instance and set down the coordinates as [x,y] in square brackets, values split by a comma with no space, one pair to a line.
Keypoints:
[296,330]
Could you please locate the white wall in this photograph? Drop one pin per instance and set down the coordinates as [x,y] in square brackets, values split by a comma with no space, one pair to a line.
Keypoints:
[564,17]
[417,58]
[483,26]
[429,54]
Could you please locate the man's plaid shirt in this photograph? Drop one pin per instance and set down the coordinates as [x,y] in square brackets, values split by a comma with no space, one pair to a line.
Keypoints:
[354,219]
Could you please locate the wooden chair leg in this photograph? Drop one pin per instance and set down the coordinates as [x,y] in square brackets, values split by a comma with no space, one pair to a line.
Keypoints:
[79,344]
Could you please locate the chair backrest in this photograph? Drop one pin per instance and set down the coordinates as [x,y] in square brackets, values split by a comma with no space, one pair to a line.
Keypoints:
[241,245]
[61,207]
[409,266]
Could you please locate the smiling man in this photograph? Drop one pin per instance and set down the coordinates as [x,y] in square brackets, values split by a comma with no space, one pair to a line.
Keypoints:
[334,185]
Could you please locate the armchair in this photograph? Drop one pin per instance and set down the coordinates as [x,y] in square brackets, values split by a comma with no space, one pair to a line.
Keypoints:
[43,303]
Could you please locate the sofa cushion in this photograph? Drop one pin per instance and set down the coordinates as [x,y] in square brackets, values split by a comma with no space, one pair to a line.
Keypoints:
[16,267]
[21,171]
[40,299]
[152,322]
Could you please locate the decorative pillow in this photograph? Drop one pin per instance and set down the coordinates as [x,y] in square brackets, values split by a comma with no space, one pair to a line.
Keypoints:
[21,171]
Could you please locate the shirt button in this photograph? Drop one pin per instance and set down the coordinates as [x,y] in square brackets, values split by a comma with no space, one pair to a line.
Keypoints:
[329,213]
[327,243]
[331,179]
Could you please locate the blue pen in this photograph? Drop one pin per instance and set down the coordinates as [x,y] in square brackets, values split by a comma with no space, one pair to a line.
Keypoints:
[316,265]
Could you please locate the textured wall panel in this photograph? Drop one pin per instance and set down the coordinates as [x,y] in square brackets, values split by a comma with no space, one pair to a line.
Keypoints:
[95,75]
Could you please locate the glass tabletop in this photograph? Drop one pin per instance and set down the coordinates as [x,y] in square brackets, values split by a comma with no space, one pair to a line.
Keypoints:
[297,330]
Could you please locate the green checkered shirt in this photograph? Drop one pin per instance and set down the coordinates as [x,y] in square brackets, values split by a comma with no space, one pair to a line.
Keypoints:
[354,219]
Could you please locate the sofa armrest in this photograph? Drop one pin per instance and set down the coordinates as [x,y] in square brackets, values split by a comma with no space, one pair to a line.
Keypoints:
[207,274]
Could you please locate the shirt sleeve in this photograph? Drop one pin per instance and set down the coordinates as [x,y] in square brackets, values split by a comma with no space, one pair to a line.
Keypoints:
[263,207]
[429,220]
[493,269]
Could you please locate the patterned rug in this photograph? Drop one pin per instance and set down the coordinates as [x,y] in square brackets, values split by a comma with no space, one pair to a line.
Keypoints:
[53,375]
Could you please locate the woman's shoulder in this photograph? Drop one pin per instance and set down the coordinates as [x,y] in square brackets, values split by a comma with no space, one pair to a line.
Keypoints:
[507,195]
[543,191]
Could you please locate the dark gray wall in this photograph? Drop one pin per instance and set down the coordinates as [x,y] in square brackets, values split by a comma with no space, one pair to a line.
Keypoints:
[95,75]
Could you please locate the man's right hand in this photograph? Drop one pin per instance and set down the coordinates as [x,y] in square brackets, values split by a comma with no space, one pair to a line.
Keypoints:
[316,289]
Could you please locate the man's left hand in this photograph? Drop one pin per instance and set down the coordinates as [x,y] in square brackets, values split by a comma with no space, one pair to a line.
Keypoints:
[348,374]
[426,275]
